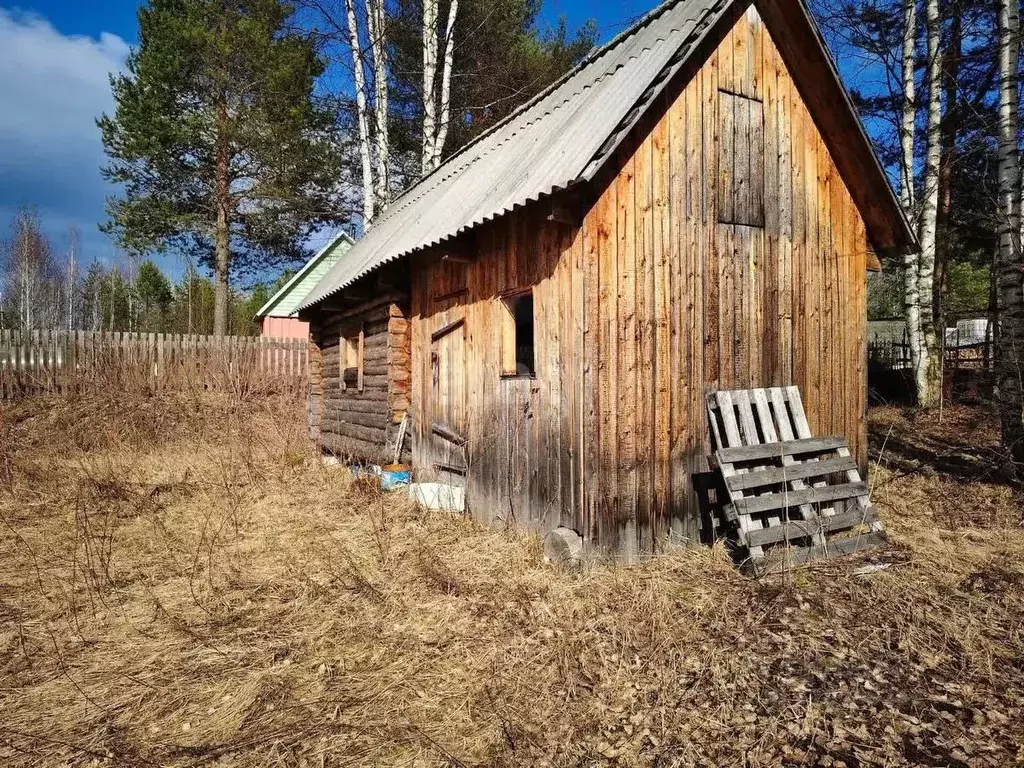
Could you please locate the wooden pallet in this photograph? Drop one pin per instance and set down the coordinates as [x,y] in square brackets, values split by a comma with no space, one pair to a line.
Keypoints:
[791,497]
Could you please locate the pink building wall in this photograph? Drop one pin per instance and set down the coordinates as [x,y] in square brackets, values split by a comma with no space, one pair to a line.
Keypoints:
[285,328]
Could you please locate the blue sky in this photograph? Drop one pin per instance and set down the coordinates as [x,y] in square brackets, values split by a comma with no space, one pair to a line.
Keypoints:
[57,55]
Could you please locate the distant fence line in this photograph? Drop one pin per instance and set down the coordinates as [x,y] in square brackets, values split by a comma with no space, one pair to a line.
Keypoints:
[966,345]
[60,362]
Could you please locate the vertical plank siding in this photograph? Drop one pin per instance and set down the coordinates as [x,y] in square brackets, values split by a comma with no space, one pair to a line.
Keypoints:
[659,294]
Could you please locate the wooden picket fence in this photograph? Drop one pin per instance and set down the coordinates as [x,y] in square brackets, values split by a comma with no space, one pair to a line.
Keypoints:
[63,362]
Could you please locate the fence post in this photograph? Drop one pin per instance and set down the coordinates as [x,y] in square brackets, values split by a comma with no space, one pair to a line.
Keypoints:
[5,345]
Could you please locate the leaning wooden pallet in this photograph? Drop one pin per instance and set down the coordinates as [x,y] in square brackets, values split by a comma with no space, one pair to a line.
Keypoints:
[792,497]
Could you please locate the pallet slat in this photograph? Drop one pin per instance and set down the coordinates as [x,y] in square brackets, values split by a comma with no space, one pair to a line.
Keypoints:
[777,475]
[790,499]
[836,548]
[815,445]
[799,529]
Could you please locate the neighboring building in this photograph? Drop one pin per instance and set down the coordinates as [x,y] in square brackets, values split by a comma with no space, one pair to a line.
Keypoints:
[279,316]
[695,206]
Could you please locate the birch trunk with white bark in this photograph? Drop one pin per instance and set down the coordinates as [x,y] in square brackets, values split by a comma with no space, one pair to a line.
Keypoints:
[907,127]
[429,78]
[446,86]
[1010,264]
[379,51]
[927,371]
[908,130]
[72,275]
[369,198]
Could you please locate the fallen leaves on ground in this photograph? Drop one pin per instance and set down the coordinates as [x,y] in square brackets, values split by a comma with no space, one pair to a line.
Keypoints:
[210,594]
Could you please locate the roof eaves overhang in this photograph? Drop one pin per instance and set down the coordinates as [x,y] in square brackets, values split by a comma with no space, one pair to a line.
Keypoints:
[692,53]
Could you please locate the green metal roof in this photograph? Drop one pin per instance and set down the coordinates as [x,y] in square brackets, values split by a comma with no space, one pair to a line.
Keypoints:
[286,302]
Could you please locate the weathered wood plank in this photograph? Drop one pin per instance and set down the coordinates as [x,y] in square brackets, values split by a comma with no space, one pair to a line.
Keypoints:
[795,556]
[797,529]
[811,445]
[793,499]
[645,358]
[626,362]
[447,328]
[776,475]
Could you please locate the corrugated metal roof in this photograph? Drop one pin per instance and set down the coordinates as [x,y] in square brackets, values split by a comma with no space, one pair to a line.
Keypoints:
[559,138]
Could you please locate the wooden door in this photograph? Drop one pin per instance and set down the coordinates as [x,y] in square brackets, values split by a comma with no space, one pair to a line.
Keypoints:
[448,396]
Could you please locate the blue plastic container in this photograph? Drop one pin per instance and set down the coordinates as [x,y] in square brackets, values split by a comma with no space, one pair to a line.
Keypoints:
[395,476]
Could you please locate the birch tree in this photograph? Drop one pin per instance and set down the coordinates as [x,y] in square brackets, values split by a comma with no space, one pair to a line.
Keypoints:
[912,259]
[375,22]
[358,31]
[31,276]
[1010,273]
[73,239]
[909,117]
[924,347]
[435,127]
[362,118]
[446,85]
[429,76]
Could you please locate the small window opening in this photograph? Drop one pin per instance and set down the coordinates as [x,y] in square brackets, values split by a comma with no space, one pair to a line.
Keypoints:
[351,360]
[517,341]
[351,353]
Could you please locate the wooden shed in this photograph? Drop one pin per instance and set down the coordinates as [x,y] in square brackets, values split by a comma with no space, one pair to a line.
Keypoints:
[695,206]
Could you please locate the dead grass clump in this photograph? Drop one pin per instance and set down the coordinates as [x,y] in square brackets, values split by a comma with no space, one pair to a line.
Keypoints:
[84,424]
[229,601]
[950,468]
[6,453]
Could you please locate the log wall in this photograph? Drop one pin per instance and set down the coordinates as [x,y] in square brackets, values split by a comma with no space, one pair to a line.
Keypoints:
[678,280]
[361,424]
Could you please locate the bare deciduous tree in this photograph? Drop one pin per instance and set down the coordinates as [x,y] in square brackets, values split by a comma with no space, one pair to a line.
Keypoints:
[435,127]
[376,25]
[362,117]
[33,283]
[907,126]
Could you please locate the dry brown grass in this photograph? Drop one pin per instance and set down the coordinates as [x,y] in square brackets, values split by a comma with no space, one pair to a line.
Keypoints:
[181,584]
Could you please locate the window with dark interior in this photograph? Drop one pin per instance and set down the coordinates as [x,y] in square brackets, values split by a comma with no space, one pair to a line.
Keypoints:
[517,357]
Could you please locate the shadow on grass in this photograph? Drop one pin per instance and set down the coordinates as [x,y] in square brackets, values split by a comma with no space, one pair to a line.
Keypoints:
[961,443]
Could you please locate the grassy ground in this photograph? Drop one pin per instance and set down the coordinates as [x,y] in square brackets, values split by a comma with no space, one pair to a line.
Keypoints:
[182,584]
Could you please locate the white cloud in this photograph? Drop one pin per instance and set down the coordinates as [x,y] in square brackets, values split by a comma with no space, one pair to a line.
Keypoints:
[52,89]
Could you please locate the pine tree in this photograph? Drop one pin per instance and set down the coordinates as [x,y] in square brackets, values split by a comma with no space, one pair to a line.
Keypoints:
[154,293]
[217,139]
